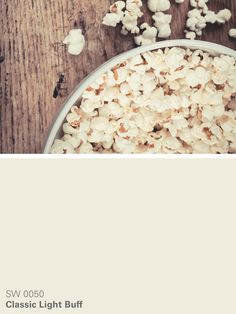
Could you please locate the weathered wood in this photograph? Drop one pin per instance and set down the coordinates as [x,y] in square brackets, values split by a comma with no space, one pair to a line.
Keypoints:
[31,33]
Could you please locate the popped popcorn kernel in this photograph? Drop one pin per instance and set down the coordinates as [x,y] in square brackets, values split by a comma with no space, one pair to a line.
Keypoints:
[75,41]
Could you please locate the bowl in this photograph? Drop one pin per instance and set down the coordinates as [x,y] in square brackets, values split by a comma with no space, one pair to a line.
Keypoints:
[74,98]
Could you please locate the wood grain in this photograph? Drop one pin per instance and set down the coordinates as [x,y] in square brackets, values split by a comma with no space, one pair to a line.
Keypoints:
[31,33]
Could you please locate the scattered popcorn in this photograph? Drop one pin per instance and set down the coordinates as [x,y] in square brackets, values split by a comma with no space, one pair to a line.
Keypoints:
[111,19]
[158,5]
[133,7]
[117,7]
[162,23]
[211,17]
[131,15]
[190,35]
[198,18]
[130,24]
[128,14]
[223,16]
[148,36]
[75,41]
[232,32]
[116,14]
[166,101]
[195,22]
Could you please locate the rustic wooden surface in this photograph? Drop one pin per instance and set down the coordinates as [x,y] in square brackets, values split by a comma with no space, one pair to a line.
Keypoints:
[31,33]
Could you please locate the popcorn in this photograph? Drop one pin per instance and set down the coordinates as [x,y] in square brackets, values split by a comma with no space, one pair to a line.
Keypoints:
[162,23]
[111,19]
[133,6]
[75,41]
[174,58]
[130,23]
[211,17]
[198,76]
[123,145]
[117,7]
[85,125]
[96,136]
[171,100]
[172,143]
[89,106]
[125,12]
[111,110]
[223,16]
[190,35]
[158,5]
[195,22]
[127,128]
[85,148]
[128,14]
[148,36]
[62,147]
[99,123]
[200,147]
[74,140]
[232,32]
[69,129]
[131,15]
[201,15]
[73,119]
[116,14]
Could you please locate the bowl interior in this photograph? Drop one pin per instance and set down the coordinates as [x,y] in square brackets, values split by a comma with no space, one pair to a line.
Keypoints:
[56,130]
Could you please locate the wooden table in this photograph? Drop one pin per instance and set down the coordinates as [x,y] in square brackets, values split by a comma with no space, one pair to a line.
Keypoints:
[31,35]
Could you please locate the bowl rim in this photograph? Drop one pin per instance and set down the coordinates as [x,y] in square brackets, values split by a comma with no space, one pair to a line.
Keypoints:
[90,78]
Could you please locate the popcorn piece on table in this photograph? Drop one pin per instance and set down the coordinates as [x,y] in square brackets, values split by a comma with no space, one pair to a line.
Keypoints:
[130,24]
[131,16]
[232,32]
[158,5]
[223,16]
[116,14]
[162,23]
[198,17]
[190,35]
[75,41]
[148,36]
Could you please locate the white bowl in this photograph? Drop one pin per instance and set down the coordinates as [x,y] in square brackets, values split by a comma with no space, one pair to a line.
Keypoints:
[56,130]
